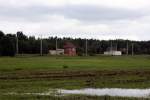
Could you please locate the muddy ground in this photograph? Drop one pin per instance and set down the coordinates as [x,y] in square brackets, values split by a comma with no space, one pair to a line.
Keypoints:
[61,74]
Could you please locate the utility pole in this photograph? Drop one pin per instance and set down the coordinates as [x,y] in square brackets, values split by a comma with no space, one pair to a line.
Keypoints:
[127,51]
[111,46]
[132,49]
[116,47]
[86,48]
[41,46]
[56,46]
[17,50]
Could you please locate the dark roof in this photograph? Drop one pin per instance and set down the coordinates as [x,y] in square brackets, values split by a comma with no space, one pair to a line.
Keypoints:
[69,45]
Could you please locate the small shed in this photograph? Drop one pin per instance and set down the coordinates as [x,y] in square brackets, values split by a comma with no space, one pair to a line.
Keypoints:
[57,52]
[69,49]
[113,53]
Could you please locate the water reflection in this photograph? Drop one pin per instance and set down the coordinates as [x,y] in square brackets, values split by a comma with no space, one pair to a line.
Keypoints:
[110,92]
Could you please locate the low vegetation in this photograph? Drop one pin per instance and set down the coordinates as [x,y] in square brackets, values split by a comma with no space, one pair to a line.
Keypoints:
[75,97]
[35,74]
[75,63]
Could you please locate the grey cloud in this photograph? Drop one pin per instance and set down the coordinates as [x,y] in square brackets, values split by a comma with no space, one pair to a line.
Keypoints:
[32,13]
[88,13]
[95,13]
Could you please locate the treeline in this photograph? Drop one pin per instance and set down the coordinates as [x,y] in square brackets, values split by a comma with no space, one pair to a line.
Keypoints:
[31,45]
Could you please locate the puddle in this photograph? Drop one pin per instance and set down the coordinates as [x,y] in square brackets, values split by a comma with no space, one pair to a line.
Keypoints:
[110,92]
[143,93]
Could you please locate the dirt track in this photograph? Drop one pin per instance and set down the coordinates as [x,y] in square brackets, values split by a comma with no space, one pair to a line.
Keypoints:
[24,74]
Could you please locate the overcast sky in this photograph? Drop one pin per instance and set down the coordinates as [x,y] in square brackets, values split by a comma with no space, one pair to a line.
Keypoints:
[99,19]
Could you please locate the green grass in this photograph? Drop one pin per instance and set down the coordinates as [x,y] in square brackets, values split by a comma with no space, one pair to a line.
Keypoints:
[71,97]
[24,66]
[97,62]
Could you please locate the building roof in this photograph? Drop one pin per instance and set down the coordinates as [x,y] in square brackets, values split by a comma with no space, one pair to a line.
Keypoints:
[69,45]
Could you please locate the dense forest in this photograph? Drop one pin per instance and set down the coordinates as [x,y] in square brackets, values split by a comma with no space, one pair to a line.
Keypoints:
[31,45]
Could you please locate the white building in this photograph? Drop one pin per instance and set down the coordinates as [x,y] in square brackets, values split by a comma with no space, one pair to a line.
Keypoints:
[57,52]
[113,53]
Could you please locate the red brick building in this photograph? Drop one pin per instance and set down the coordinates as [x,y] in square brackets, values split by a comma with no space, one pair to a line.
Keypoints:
[69,49]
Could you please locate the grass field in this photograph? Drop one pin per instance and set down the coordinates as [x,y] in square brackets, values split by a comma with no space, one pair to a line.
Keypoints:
[96,62]
[35,74]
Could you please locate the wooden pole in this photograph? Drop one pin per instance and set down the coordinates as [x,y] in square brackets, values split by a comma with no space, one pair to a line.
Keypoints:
[132,49]
[116,47]
[86,48]
[127,51]
[17,50]
[111,46]
[56,46]
[41,46]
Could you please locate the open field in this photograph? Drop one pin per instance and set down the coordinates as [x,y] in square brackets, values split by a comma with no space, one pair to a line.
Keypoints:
[77,97]
[95,62]
[26,74]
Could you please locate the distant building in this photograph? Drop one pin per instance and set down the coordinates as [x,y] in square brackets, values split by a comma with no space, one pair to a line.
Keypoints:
[113,53]
[69,49]
[57,52]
